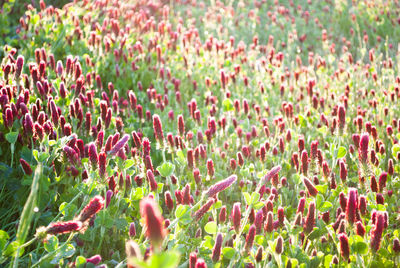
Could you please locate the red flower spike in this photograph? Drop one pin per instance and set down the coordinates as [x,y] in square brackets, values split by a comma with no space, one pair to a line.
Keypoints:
[352,205]
[236,217]
[310,187]
[153,221]
[63,227]
[26,167]
[250,239]
[119,145]
[157,126]
[93,157]
[216,252]
[200,213]
[94,206]
[344,246]
[377,231]
[220,186]
[152,181]
[310,219]
[192,259]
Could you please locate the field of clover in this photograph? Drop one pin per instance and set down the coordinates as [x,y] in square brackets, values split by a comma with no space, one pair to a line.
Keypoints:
[190,133]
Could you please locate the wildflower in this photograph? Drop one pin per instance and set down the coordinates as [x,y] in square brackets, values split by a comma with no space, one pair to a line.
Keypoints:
[94,158]
[352,205]
[250,238]
[259,254]
[132,230]
[109,195]
[216,252]
[25,166]
[269,225]
[119,145]
[220,186]
[310,219]
[210,167]
[181,125]
[153,221]
[236,216]
[192,259]
[377,231]
[279,245]
[310,187]
[344,246]
[360,229]
[96,259]
[168,201]
[102,164]
[63,227]
[301,205]
[157,126]
[201,264]
[304,162]
[152,182]
[94,206]
[200,213]
[274,171]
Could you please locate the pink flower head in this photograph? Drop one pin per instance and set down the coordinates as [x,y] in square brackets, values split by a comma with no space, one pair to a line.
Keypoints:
[352,205]
[25,166]
[94,206]
[157,126]
[310,187]
[63,227]
[119,145]
[310,219]
[153,221]
[216,252]
[344,246]
[236,217]
[363,148]
[220,186]
[200,213]
[250,238]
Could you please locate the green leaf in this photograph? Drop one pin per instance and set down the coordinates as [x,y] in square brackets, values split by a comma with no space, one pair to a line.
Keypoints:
[395,150]
[43,156]
[258,205]
[341,152]
[319,199]
[181,210]
[211,227]
[129,163]
[316,233]
[228,105]
[360,247]
[80,262]
[255,196]
[65,251]
[228,253]
[166,169]
[51,244]
[3,239]
[168,259]
[247,198]
[12,137]
[11,249]
[325,206]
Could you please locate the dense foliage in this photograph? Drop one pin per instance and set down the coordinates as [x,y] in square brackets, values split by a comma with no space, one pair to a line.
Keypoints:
[200,134]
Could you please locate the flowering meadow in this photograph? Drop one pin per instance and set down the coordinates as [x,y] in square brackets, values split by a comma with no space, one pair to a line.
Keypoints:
[196,133]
